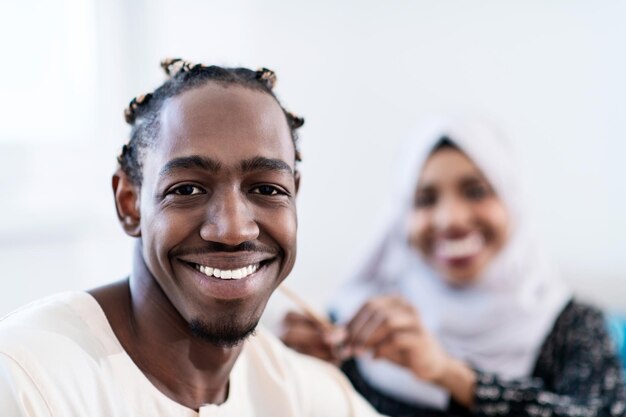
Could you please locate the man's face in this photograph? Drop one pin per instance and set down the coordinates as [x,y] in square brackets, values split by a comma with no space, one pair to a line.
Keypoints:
[218,216]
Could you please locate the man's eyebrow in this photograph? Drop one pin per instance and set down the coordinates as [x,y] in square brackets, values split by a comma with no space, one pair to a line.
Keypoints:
[265,164]
[189,162]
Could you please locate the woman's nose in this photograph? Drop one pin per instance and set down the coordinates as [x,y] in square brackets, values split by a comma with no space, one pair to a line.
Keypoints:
[230,220]
[452,214]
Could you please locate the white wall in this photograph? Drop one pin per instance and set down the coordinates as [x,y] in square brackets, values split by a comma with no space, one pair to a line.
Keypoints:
[362,73]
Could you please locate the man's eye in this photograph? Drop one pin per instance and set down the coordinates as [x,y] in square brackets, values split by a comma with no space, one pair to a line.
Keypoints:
[266,190]
[187,189]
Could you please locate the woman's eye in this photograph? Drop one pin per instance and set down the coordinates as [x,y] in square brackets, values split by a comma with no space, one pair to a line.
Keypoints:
[266,190]
[477,192]
[187,189]
[424,200]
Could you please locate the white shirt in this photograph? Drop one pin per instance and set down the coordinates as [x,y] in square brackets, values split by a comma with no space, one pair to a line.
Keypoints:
[59,357]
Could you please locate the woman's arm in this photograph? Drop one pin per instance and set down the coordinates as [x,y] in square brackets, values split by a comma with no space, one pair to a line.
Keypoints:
[390,328]
[577,374]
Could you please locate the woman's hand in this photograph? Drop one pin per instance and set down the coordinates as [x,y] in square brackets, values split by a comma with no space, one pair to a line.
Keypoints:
[310,337]
[390,328]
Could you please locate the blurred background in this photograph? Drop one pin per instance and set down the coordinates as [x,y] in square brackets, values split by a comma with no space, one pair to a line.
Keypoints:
[361,72]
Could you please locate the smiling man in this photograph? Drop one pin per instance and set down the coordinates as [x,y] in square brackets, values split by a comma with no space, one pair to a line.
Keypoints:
[207,185]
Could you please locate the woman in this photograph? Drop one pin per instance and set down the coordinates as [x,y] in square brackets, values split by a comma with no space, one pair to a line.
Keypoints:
[456,311]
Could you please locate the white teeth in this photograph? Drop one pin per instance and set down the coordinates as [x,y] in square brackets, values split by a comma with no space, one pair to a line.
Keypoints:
[460,248]
[228,273]
[207,270]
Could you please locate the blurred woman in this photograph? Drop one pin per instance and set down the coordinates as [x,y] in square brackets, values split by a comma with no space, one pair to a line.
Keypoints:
[456,310]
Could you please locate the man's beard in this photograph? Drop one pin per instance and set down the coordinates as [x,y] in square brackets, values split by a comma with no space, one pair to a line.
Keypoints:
[225,332]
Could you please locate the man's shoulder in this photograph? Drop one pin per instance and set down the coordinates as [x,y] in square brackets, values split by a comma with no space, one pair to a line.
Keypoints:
[44,311]
[55,353]
[37,326]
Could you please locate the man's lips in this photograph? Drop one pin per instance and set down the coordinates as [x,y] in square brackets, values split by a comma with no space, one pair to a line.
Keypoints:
[253,276]
[228,273]
[228,265]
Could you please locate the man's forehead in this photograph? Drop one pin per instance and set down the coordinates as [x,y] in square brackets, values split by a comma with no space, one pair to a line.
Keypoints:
[226,124]
[223,109]
[240,134]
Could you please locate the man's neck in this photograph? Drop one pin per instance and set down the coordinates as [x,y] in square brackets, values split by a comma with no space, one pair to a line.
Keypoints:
[187,369]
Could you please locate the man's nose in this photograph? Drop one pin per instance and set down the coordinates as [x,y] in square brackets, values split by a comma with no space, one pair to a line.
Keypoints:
[230,220]
[452,214]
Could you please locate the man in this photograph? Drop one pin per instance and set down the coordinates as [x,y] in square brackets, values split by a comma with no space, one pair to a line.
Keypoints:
[207,185]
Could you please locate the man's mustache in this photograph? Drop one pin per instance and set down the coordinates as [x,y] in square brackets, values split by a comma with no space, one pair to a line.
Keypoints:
[213,247]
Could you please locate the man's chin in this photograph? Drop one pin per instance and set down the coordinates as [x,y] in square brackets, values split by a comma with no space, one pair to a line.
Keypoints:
[225,334]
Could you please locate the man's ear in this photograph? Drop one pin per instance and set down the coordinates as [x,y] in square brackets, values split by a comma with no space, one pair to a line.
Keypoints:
[296,178]
[127,197]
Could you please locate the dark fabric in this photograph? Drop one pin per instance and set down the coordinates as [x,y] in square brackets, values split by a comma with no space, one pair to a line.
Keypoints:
[577,374]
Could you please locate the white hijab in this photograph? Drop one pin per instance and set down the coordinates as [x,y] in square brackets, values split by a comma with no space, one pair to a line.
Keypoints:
[496,325]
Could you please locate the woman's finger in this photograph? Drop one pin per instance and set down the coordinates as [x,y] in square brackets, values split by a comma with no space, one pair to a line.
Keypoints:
[393,322]
[378,319]
[295,318]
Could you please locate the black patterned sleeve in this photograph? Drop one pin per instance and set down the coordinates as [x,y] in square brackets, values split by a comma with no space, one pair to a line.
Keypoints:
[577,375]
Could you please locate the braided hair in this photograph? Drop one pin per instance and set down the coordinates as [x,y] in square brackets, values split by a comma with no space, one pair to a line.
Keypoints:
[143,111]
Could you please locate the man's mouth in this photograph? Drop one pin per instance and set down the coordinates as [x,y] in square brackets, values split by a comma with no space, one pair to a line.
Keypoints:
[226,274]
[230,276]
[238,273]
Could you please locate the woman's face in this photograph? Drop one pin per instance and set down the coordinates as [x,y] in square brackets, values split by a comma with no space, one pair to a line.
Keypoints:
[458,223]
